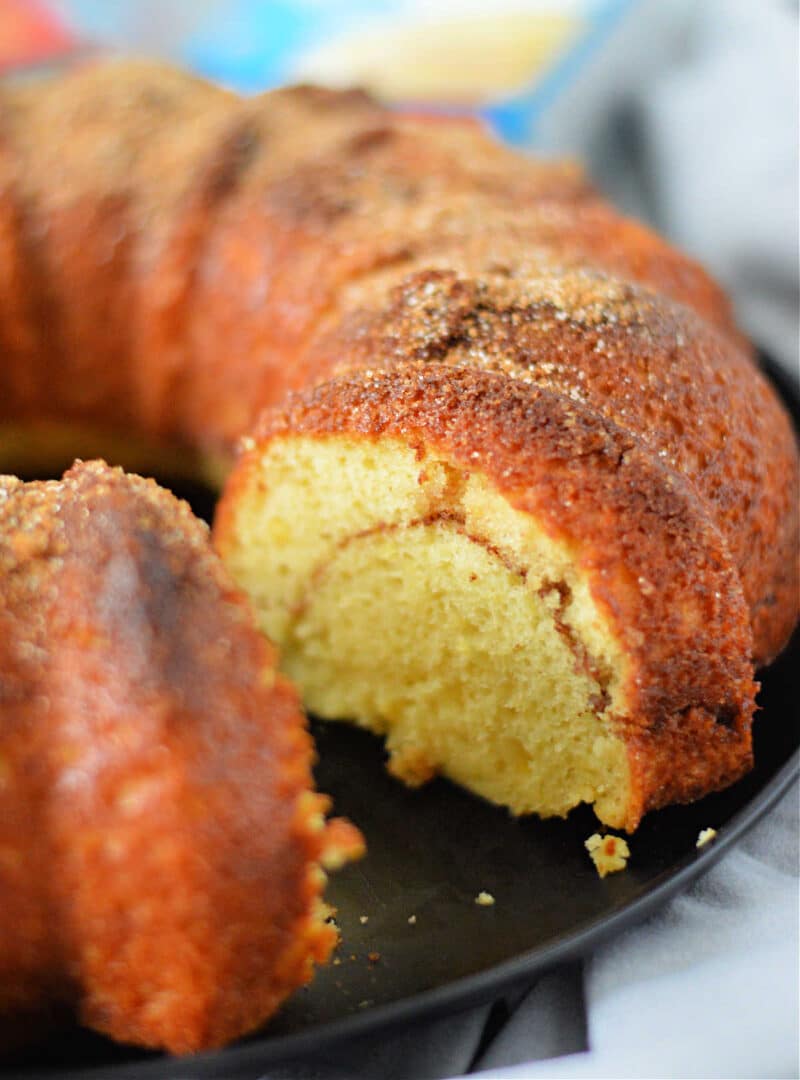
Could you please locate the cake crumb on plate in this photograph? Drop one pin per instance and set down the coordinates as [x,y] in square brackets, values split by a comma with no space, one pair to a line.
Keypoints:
[608,853]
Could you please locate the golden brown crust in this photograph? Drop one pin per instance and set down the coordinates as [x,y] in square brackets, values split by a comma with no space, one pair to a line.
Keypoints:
[159,843]
[100,161]
[200,219]
[391,197]
[420,190]
[23,315]
[657,564]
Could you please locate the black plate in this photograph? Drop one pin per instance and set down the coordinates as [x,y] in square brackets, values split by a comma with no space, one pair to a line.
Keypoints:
[431,852]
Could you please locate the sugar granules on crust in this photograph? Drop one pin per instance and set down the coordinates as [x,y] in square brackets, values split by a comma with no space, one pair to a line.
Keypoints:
[608,853]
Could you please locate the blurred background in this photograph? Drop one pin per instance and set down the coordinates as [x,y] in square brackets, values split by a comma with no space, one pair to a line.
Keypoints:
[459,53]
[684,112]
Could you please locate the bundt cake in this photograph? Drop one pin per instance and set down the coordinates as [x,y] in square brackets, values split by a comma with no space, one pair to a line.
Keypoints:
[511,490]
[161,847]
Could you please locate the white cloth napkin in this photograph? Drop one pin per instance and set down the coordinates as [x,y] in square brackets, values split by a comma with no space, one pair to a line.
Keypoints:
[690,118]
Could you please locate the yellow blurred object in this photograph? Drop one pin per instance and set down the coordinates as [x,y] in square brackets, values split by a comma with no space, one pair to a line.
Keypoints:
[461,61]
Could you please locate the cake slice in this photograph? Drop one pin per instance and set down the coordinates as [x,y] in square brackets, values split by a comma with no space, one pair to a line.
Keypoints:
[511,588]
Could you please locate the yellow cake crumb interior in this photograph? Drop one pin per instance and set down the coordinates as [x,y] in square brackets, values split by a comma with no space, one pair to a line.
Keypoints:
[409,597]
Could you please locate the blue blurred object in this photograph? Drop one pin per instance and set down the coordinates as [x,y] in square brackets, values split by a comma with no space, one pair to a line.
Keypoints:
[253,46]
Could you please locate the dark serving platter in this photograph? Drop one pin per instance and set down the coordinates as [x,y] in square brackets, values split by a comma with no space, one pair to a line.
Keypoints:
[431,852]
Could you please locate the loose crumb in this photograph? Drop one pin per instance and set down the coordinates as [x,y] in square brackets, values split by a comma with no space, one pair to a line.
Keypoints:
[412,920]
[608,853]
[363,919]
[373,957]
[336,961]
[705,837]
[484,899]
